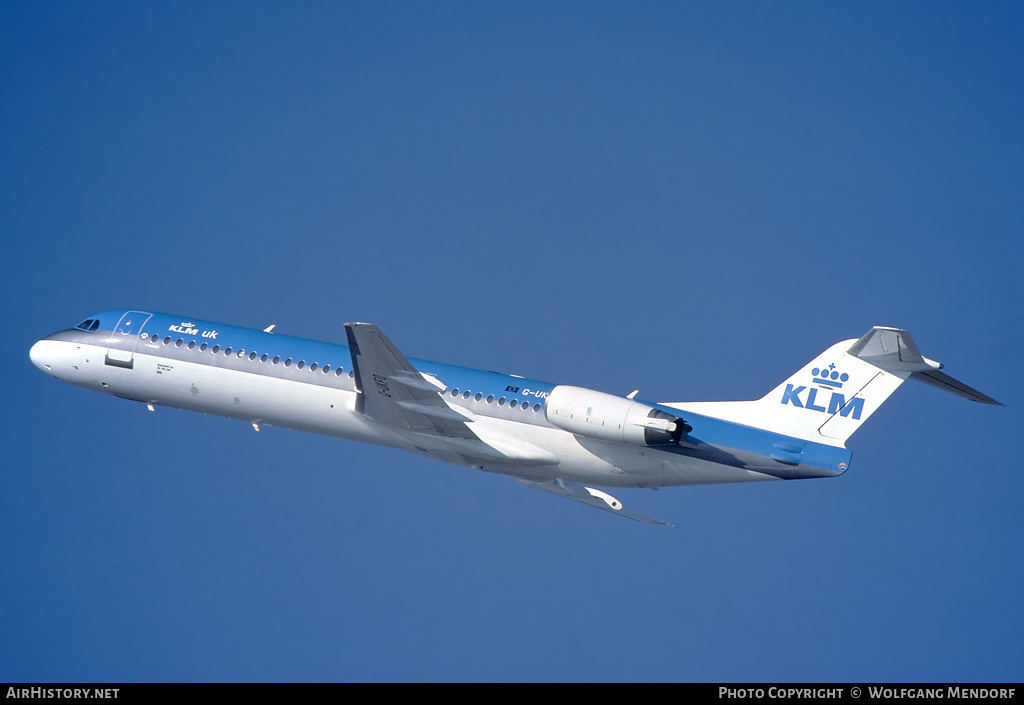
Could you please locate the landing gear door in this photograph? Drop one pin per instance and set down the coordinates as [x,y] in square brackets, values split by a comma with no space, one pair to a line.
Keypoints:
[122,342]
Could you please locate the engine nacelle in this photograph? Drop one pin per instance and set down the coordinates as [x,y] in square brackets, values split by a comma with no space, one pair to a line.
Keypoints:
[610,418]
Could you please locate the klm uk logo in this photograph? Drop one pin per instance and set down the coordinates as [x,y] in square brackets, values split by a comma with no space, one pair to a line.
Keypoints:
[827,377]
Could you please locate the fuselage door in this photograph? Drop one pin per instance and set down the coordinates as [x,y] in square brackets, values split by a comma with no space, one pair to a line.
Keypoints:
[121,346]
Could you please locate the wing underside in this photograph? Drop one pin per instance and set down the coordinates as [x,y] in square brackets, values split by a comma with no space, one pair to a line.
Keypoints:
[395,393]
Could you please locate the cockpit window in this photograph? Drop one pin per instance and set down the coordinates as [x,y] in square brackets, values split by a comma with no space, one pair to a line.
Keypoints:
[89,324]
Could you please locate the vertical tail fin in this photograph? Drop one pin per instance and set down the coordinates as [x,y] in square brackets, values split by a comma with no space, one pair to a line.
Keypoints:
[829,398]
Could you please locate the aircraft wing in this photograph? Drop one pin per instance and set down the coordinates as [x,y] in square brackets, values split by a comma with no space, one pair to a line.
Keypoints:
[587,495]
[395,393]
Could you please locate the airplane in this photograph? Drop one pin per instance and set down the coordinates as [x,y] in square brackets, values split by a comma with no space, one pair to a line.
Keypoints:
[559,438]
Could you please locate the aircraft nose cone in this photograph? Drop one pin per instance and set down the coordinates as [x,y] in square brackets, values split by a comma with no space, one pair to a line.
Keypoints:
[41,355]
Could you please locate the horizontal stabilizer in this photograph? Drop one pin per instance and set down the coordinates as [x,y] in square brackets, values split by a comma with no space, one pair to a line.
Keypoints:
[944,381]
[893,350]
[587,495]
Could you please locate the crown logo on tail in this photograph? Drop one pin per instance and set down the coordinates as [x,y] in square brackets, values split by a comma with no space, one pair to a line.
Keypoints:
[829,376]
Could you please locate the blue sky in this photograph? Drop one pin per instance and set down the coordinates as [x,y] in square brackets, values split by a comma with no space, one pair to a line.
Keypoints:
[692,199]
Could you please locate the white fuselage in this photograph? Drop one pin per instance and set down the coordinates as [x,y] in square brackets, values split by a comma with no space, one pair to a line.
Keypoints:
[517,441]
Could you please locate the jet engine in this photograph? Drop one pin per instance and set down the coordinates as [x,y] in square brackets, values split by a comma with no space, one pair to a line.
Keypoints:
[586,412]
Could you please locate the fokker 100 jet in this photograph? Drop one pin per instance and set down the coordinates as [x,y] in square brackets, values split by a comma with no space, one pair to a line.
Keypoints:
[554,437]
